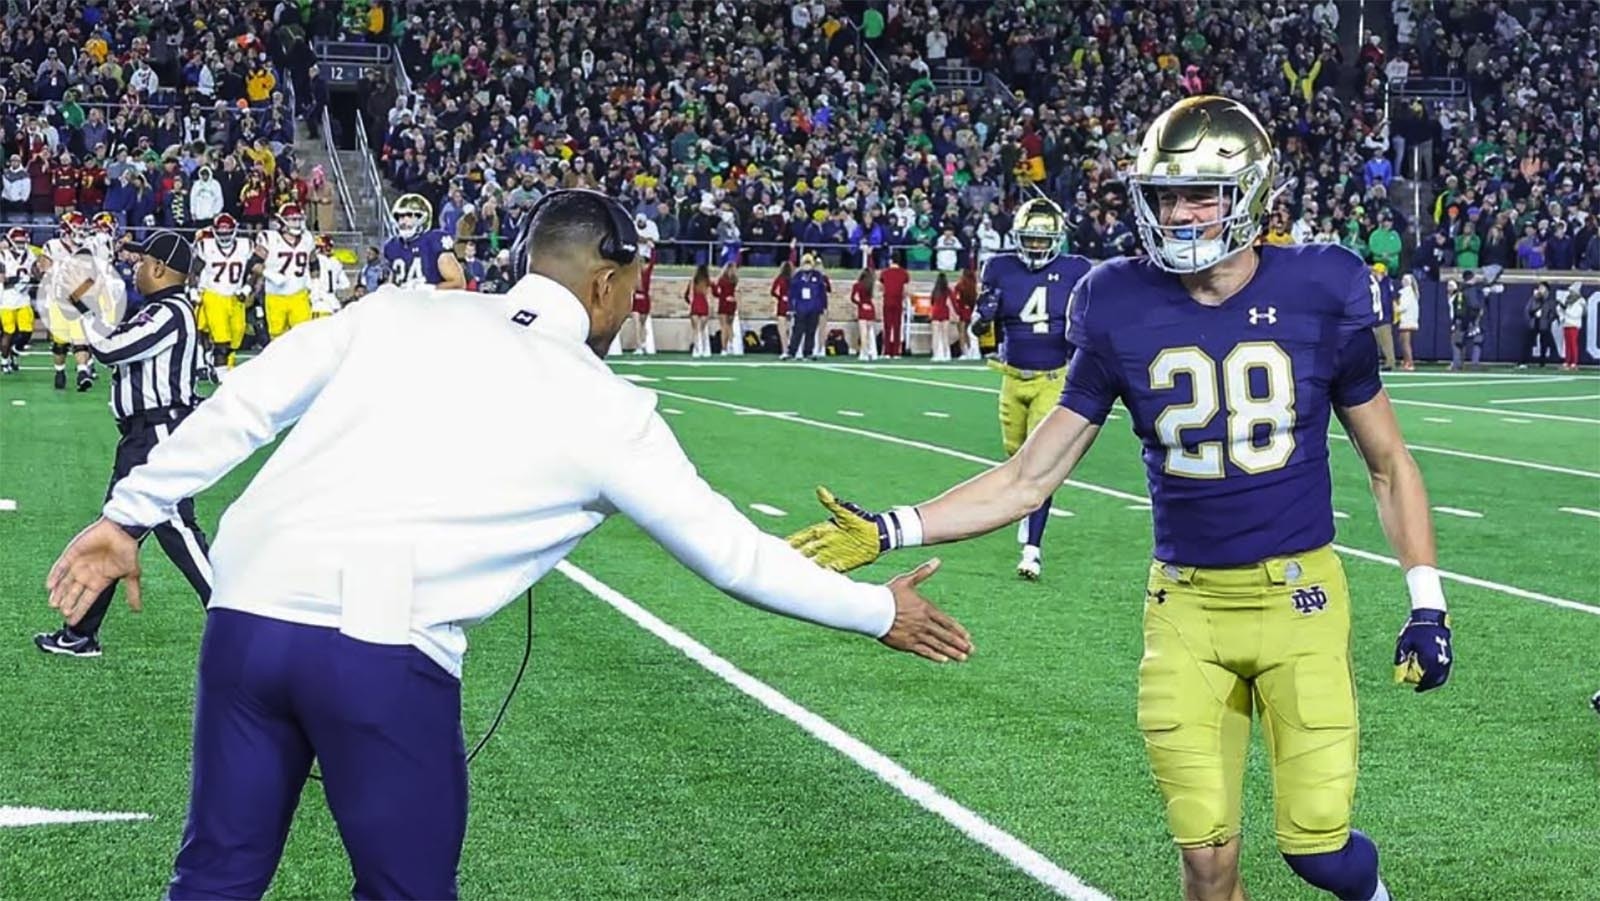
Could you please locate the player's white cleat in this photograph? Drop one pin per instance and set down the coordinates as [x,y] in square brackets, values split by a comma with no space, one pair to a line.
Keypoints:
[1029,566]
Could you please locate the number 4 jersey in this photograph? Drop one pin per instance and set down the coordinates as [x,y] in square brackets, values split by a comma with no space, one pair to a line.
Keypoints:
[1232,401]
[287,262]
[1029,307]
[225,272]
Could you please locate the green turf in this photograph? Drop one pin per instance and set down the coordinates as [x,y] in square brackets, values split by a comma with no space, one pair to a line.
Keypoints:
[625,769]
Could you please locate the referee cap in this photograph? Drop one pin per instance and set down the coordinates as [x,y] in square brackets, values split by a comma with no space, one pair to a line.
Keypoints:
[167,248]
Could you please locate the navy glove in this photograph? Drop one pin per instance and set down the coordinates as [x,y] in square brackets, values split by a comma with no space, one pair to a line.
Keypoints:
[1422,655]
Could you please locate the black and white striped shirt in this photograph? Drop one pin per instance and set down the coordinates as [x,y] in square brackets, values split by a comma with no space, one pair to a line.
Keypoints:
[154,355]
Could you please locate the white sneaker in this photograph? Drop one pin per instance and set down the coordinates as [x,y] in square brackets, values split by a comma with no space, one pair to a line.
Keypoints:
[1029,566]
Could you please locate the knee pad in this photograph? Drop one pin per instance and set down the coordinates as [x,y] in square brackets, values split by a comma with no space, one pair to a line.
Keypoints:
[59,349]
[1351,873]
[80,348]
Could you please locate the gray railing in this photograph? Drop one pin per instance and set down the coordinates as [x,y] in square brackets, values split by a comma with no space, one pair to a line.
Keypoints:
[369,166]
[340,181]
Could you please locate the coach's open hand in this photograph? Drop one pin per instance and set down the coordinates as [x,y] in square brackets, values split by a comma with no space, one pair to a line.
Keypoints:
[921,628]
[100,555]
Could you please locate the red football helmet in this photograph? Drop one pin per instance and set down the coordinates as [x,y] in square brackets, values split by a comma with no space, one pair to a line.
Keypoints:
[225,229]
[17,236]
[105,223]
[74,225]
[292,219]
[325,245]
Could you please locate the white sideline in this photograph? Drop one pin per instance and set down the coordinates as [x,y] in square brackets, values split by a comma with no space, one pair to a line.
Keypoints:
[1464,579]
[1423,448]
[1545,400]
[927,797]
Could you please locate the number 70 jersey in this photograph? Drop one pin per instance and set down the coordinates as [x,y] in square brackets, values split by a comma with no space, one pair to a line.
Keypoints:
[1231,402]
[225,273]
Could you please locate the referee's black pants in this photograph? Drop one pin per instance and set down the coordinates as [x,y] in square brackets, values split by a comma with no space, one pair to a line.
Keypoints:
[181,537]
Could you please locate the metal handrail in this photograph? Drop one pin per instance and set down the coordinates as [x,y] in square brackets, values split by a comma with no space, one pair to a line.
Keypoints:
[374,179]
[340,182]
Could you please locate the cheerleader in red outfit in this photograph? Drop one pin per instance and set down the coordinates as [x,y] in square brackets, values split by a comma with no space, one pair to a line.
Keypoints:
[699,312]
[728,307]
[939,316]
[964,299]
[780,293]
[866,316]
[644,333]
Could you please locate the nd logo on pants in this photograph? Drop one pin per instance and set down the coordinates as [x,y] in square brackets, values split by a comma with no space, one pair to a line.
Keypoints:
[285,311]
[1274,639]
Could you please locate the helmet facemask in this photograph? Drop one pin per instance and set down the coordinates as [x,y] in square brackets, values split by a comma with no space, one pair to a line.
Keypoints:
[1240,203]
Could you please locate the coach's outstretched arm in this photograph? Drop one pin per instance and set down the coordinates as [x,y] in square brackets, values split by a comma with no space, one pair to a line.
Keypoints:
[648,478]
[257,402]
[855,537]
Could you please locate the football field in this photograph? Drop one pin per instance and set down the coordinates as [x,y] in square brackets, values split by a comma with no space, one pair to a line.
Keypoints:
[670,743]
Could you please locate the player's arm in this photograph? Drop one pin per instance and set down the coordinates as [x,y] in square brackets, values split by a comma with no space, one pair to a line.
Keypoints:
[987,309]
[451,276]
[1423,653]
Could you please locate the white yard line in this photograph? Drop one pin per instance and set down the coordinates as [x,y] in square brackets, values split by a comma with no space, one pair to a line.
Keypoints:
[1464,579]
[768,509]
[1434,405]
[1489,458]
[1515,421]
[920,792]
[1436,419]
[1581,512]
[935,414]
[7,505]
[1057,511]
[1545,400]
[14,817]
[853,414]
[672,411]
[699,378]
[1457,511]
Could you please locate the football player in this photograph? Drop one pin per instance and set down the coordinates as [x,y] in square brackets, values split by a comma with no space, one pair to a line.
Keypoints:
[16,308]
[224,288]
[1230,360]
[331,282]
[1024,300]
[284,262]
[74,236]
[419,255]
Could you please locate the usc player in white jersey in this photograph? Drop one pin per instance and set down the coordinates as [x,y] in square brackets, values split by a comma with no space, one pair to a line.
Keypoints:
[75,236]
[285,262]
[331,281]
[16,307]
[224,288]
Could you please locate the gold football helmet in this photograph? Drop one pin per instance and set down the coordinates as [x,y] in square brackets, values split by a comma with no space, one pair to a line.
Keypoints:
[1204,143]
[1038,226]
[412,215]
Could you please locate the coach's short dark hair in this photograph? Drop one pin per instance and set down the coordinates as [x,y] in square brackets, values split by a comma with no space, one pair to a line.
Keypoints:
[570,222]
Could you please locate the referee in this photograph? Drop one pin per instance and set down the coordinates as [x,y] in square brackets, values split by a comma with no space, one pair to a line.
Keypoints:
[154,357]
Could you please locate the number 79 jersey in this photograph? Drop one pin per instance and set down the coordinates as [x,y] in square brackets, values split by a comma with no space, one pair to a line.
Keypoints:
[1231,402]
[287,262]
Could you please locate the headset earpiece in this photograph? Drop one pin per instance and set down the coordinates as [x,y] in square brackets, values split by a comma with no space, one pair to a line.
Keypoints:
[620,245]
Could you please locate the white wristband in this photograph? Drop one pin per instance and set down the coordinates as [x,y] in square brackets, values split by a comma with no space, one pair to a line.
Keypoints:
[1426,591]
[905,527]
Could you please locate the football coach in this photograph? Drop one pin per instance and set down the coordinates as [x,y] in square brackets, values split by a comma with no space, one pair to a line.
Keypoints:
[407,504]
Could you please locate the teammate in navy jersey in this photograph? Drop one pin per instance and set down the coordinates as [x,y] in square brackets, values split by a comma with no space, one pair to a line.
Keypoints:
[419,255]
[1231,361]
[1024,297]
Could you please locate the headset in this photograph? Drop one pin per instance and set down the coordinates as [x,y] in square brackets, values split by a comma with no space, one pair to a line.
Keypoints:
[620,246]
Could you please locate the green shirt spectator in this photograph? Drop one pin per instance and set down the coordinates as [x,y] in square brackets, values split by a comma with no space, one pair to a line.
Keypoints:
[1468,245]
[1383,246]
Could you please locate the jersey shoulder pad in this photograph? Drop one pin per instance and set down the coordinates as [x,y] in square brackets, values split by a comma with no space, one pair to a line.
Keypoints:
[1098,295]
[1337,276]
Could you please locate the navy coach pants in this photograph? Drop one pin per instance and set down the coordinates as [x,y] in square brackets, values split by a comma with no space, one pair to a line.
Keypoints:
[382,721]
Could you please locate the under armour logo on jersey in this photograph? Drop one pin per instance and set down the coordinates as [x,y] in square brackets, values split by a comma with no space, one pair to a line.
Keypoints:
[1270,317]
[1053,277]
[1309,600]
[524,317]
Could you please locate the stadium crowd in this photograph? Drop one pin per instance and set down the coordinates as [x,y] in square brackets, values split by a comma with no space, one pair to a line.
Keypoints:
[752,126]
[165,114]
[756,124]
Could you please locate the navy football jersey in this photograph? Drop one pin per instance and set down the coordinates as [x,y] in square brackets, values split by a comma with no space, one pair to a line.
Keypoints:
[1231,402]
[416,262]
[1029,308]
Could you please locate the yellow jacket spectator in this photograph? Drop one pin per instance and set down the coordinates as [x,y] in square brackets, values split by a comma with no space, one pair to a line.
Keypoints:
[375,22]
[262,154]
[258,86]
[97,50]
